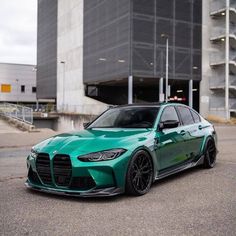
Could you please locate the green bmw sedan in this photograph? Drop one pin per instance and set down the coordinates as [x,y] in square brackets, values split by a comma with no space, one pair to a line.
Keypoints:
[125,149]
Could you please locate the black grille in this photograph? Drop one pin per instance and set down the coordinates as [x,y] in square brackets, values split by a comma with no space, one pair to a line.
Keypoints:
[43,168]
[62,170]
[82,183]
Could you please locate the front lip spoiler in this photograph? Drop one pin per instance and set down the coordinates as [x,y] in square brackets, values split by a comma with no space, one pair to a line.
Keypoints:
[104,192]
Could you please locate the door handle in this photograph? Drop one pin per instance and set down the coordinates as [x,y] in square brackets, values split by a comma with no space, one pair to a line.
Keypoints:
[200,127]
[156,141]
[182,132]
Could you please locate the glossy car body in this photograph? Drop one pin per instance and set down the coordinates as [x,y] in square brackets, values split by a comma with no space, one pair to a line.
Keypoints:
[98,161]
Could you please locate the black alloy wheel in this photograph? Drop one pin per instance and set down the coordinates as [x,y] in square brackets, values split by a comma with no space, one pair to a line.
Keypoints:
[140,174]
[210,154]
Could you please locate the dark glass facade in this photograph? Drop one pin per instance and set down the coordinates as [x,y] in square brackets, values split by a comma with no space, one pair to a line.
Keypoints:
[123,37]
[47,49]
[106,40]
[180,20]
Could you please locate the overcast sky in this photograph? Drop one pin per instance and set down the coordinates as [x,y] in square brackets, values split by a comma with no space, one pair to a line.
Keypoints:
[18,31]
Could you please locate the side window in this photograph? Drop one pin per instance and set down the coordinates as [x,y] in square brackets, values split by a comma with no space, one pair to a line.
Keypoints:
[169,113]
[185,115]
[196,117]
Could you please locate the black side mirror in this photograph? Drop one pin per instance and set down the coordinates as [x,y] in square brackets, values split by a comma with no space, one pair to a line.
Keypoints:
[86,124]
[168,124]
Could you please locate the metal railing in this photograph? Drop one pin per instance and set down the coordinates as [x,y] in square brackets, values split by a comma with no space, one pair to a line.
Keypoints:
[18,112]
[219,57]
[218,102]
[219,81]
[220,31]
[217,5]
[43,107]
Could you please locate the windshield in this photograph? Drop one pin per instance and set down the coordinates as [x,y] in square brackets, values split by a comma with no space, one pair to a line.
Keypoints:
[127,117]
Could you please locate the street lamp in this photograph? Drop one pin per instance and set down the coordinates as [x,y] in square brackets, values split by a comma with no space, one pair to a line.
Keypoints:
[17,80]
[63,95]
[167,63]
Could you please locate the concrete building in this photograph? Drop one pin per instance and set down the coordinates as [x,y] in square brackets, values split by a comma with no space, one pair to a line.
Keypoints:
[70,87]
[124,39]
[17,83]
[218,86]
[114,52]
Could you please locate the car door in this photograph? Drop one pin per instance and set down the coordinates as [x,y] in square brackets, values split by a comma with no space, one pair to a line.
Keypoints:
[191,132]
[170,141]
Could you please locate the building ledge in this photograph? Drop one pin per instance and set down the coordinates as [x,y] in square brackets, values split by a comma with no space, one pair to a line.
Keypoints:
[222,87]
[217,13]
[219,38]
[222,62]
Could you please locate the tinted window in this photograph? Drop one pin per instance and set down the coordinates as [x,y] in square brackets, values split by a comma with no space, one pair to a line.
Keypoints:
[22,88]
[33,89]
[186,116]
[127,117]
[196,117]
[169,114]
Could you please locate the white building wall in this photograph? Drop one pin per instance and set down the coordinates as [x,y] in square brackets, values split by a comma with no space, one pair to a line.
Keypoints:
[70,87]
[214,77]
[16,75]
[205,92]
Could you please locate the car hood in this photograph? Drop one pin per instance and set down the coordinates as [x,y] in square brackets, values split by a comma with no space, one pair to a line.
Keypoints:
[93,140]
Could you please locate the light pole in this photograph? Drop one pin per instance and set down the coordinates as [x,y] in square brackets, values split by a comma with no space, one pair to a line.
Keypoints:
[17,80]
[63,87]
[34,69]
[167,64]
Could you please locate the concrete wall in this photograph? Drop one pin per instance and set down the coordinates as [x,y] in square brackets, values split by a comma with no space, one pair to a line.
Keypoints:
[210,104]
[17,75]
[205,92]
[67,123]
[70,87]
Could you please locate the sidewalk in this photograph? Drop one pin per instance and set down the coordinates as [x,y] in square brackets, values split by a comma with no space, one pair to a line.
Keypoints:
[12,137]
[6,128]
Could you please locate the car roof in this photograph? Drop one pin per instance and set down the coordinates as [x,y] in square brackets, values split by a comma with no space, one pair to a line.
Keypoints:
[157,104]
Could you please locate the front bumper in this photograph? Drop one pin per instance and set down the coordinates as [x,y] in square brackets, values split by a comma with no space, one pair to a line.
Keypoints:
[105,192]
[85,179]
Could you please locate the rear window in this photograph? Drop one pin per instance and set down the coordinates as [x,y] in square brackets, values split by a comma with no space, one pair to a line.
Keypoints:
[169,113]
[185,115]
[196,117]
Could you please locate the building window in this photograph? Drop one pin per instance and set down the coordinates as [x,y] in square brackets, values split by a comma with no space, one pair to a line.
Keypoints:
[5,88]
[22,88]
[34,89]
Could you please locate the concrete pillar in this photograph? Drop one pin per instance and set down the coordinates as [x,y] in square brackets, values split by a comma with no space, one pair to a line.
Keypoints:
[167,67]
[161,95]
[130,89]
[227,62]
[190,93]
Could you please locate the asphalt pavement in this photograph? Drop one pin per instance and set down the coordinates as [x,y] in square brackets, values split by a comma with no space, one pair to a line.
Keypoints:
[194,202]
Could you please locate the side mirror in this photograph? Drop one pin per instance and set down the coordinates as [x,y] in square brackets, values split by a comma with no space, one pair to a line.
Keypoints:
[168,124]
[86,124]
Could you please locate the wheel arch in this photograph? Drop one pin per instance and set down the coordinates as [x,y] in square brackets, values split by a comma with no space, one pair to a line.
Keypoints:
[204,143]
[150,154]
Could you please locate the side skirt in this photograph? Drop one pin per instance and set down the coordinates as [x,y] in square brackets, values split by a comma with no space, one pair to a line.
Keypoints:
[180,168]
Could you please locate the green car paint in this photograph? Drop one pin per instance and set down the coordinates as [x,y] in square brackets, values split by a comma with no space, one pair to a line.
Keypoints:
[168,148]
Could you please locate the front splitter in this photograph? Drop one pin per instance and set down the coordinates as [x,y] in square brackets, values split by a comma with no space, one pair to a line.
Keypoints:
[104,192]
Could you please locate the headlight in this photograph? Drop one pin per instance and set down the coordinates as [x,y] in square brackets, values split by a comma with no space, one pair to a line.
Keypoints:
[103,155]
[33,153]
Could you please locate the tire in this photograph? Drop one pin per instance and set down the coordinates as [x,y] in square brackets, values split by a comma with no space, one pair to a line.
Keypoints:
[210,154]
[139,175]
